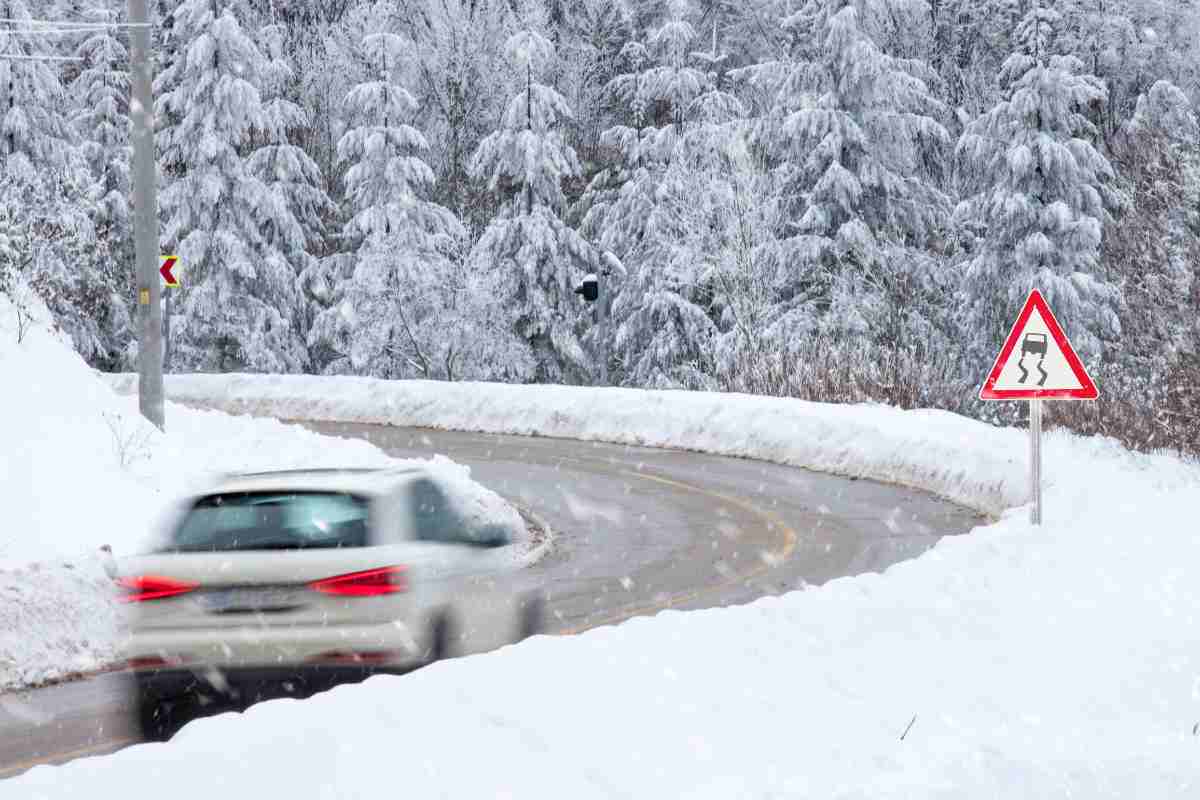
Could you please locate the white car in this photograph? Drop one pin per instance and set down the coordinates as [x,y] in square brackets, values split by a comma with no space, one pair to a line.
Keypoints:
[290,582]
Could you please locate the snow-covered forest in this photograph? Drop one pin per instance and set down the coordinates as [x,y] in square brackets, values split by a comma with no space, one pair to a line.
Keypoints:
[832,199]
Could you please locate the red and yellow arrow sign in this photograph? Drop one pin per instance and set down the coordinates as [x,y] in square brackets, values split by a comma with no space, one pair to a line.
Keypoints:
[169,263]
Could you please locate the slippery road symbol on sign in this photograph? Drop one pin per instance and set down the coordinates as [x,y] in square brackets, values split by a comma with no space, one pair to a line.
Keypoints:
[1033,343]
[1037,360]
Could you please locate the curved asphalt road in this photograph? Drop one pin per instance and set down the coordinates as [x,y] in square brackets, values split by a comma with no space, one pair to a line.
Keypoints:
[637,531]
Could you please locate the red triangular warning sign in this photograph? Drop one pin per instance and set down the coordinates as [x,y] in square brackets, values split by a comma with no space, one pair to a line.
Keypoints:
[1037,361]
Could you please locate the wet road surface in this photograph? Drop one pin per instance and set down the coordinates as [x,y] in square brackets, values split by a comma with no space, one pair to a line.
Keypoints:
[636,531]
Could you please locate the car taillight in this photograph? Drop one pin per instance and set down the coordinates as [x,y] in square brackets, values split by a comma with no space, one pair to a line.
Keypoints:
[153,662]
[340,657]
[152,587]
[368,583]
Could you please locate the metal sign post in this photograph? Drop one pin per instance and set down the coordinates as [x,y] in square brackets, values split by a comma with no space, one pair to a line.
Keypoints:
[1035,459]
[166,268]
[166,331]
[1037,363]
[603,301]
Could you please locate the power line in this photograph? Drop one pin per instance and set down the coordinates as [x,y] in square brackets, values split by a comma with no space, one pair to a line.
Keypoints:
[38,24]
[49,31]
[12,57]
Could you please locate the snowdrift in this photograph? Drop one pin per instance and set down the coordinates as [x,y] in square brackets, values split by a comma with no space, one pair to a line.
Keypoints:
[977,465]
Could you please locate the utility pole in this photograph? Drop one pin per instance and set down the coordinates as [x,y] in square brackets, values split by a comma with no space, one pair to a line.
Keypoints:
[145,222]
[611,269]
[529,127]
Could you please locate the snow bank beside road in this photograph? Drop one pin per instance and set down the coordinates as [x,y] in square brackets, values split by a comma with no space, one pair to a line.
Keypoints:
[957,458]
[80,468]
[1016,662]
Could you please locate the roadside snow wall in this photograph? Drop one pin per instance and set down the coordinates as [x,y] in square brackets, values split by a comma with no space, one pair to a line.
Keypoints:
[977,465]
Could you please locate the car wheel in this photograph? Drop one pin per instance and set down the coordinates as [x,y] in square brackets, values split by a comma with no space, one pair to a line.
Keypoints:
[441,634]
[158,719]
[533,616]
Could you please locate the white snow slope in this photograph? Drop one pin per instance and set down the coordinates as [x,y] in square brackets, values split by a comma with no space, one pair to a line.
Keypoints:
[1014,662]
[66,491]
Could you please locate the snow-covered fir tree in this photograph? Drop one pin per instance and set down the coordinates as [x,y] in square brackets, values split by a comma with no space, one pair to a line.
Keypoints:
[664,337]
[294,223]
[613,208]
[773,175]
[100,93]
[1153,253]
[855,137]
[674,83]
[458,72]
[535,258]
[590,57]
[657,224]
[1038,195]
[400,314]
[236,309]
[50,192]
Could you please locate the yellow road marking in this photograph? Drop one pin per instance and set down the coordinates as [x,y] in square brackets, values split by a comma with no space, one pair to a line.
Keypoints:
[94,749]
[790,538]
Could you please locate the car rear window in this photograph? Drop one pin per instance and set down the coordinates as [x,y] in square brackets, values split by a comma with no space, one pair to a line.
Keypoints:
[272,521]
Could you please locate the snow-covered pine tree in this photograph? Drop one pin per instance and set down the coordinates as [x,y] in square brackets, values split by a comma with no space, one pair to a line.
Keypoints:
[294,223]
[647,15]
[1039,194]
[34,135]
[731,226]
[240,293]
[629,158]
[534,256]
[662,211]
[664,337]
[100,94]
[1153,253]
[856,142]
[971,39]
[673,83]
[457,70]
[597,31]
[616,206]
[673,221]
[395,315]
[46,187]
[714,105]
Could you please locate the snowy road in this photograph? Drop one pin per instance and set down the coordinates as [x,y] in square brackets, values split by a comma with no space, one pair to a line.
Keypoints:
[637,531]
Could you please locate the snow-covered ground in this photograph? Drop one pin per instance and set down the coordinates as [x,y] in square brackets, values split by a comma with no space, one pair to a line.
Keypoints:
[1014,662]
[1060,662]
[80,469]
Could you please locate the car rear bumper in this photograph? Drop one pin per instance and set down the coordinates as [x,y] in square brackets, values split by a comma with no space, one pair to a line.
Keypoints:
[197,650]
[252,684]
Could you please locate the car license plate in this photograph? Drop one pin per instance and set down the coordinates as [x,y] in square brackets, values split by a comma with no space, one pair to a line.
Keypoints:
[223,600]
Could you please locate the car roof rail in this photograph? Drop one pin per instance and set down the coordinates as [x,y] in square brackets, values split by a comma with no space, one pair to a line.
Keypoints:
[305,471]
